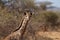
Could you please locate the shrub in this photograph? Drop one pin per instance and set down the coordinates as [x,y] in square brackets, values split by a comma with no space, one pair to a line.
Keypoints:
[51,18]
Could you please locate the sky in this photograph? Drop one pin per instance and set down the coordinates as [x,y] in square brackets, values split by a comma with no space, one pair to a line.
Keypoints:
[55,2]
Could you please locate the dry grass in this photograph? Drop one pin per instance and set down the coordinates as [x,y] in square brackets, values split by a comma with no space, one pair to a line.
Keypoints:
[52,35]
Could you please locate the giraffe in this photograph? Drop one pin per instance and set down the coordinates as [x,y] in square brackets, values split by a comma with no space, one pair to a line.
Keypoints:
[17,34]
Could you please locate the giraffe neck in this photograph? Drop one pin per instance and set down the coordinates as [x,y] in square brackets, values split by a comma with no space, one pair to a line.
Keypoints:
[24,24]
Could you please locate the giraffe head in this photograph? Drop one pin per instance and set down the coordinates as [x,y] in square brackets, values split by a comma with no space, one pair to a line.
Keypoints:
[28,12]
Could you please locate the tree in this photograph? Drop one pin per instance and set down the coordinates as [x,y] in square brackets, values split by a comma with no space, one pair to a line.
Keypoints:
[44,4]
[1,3]
[29,4]
[20,4]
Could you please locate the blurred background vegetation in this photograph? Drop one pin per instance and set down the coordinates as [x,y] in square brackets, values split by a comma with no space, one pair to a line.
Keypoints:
[11,13]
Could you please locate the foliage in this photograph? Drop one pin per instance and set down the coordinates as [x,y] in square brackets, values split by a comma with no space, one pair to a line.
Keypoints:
[29,4]
[20,5]
[44,5]
[1,3]
[51,17]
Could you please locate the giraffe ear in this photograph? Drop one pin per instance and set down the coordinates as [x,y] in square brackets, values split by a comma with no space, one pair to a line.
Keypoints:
[31,13]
